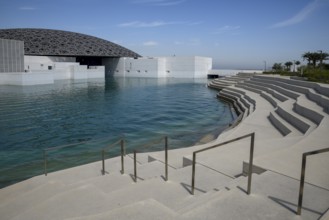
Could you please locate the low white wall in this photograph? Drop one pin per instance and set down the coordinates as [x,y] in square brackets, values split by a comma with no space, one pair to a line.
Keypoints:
[96,72]
[38,77]
[26,78]
[231,72]
[160,67]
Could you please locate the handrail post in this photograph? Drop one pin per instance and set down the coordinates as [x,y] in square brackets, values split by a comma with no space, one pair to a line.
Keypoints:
[251,156]
[301,187]
[135,164]
[166,157]
[103,162]
[193,173]
[252,144]
[122,158]
[45,162]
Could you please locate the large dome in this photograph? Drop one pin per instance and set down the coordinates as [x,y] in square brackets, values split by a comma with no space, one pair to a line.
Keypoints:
[45,42]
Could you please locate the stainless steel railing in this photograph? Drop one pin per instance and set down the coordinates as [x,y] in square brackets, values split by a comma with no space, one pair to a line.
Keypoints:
[252,142]
[122,145]
[148,145]
[46,151]
[302,176]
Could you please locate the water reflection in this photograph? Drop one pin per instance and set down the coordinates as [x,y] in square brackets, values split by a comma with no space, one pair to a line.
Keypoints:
[33,118]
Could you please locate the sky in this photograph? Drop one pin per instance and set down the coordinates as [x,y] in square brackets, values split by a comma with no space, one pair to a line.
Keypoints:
[237,34]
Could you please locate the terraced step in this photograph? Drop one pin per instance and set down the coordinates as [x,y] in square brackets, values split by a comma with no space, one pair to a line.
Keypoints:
[282,126]
[273,196]
[244,86]
[261,86]
[146,209]
[270,99]
[245,99]
[299,122]
[313,91]
[284,91]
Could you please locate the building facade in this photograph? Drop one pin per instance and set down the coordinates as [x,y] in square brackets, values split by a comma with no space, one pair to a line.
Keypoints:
[11,56]
[41,56]
[160,67]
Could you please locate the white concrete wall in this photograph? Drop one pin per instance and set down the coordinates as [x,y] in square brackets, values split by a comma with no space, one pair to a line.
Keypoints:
[111,65]
[43,62]
[202,67]
[62,68]
[26,79]
[231,72]
[180,67]
[96,72]
[161,67]
[145,67]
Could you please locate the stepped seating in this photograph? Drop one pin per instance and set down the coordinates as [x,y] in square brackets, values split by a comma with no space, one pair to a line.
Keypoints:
[287,120]
[224,82]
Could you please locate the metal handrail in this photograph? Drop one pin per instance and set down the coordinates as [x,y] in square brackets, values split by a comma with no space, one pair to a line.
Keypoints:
[252,142]
[166,157]
[302,176]
[56,148]
[122,144]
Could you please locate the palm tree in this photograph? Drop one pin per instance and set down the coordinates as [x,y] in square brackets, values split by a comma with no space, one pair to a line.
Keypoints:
[277,66]
[307,56]
[315,57]
[322,57]
[288,65]
[297,63]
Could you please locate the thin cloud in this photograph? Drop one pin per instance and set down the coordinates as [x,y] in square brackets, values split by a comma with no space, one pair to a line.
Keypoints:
[226,29]
[160,2]
[150,43]
[139,24]
[300,16]
[27,8]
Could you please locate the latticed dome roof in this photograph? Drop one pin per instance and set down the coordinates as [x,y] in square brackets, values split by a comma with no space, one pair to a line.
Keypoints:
[46,42]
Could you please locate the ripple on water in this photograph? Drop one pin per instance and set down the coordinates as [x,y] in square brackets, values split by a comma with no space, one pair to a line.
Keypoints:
[34,118]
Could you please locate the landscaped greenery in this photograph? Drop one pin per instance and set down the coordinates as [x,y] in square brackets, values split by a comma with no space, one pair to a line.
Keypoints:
[315,70]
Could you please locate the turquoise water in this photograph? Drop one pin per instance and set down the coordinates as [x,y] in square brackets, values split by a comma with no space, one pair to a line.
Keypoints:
[96,114]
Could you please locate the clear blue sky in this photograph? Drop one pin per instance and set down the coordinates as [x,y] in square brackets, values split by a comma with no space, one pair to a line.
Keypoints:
[235,33]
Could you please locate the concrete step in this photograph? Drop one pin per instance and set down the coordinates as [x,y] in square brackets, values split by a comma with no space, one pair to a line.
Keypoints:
[249,88]
[152,169]
[313,91]
[261,86]
[280,89]
[237,90]
[19,203]
[273,196]
[194,202]
[9,192]
[284,192]
[304,125]
[241,98]
[31,198]
[76,202]
[283,126]
[320,100]
[107,183]
[270,99]
[206,179]
[302,107]
[146,209]
[229,158]
[237,97]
